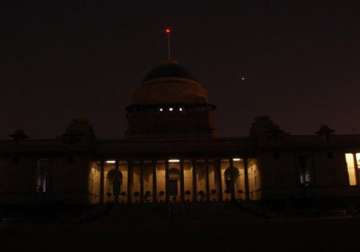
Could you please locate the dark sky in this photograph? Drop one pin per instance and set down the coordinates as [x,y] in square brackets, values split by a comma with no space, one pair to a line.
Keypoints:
[59,62]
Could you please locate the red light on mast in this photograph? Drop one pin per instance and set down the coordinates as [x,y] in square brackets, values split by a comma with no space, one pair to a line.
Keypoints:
[168,30]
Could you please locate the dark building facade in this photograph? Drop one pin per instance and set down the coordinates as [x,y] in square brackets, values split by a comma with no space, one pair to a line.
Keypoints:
[171,153]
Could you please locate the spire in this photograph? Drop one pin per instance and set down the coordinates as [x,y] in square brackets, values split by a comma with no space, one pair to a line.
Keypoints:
[325,132]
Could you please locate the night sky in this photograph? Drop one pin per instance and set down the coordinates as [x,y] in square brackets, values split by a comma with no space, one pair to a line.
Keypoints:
[59,62]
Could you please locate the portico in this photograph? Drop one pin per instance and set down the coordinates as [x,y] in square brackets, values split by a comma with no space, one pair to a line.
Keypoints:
[174,180]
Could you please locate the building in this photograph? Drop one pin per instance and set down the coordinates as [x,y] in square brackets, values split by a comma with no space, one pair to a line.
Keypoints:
[171,153]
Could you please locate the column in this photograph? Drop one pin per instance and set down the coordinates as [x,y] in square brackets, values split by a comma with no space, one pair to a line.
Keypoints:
[207,182]
[219,180]
[102,177]
[130,181]
[142,168]
[117,172]
[232,180]
[356,170]
[154,182]
[182,182]
[194,180]
[246,175]
[167,196]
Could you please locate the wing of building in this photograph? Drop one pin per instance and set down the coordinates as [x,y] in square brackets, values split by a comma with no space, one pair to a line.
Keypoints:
[171,153]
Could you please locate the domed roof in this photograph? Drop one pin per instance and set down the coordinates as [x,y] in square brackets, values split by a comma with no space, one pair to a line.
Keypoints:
[169,69]
[170,83]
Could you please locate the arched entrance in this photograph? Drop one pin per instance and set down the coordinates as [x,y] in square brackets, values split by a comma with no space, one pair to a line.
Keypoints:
[115,179]
[231,175]
[173,183]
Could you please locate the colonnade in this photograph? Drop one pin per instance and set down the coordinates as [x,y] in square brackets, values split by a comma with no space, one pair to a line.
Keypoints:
[169,180]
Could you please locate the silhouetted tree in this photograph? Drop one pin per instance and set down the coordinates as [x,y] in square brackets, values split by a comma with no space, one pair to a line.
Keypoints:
[19,135]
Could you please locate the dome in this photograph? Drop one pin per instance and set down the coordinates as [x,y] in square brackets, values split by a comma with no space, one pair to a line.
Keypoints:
[169,69]
[170,83]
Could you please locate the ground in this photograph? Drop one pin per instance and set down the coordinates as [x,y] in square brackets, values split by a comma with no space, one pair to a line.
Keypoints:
[221,227]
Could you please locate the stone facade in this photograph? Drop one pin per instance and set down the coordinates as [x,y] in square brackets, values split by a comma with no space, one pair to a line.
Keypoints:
[170,153]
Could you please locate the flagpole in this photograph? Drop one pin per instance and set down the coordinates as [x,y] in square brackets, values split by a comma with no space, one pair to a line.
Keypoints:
[169,46]
[168,31]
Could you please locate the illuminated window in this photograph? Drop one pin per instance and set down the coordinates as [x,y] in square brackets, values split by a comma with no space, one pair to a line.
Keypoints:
[350,162]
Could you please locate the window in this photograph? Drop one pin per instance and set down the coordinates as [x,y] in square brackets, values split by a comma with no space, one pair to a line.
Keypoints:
[276,155]
[358,160]
[350,162]
[42,175]
[305,170]
[305,177]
